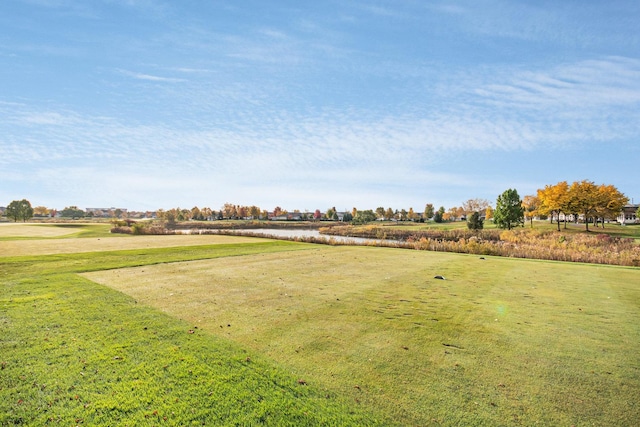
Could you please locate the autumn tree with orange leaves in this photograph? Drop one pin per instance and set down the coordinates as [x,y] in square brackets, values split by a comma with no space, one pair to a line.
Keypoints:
[591,201]
[554,200]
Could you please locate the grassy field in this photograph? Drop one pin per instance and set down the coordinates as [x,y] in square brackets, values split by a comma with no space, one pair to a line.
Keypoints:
[248,331]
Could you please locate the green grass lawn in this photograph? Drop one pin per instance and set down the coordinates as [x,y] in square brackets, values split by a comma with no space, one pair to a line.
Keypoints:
[282,333]
[74,352]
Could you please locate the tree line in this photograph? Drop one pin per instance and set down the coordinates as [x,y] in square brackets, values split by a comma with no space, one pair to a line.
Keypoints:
[582,199]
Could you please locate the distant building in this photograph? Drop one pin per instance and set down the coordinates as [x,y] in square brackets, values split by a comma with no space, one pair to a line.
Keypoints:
[628,214]
[290,216]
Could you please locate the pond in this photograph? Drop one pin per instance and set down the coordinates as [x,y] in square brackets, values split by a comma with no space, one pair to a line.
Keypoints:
[302,234]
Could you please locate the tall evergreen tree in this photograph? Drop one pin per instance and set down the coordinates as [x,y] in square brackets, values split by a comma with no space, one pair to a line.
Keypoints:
[475,222]
[509,212]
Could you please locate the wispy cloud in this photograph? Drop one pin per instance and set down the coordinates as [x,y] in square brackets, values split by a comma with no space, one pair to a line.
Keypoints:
[50,118]
[370,138]
[150,77]
[584,85]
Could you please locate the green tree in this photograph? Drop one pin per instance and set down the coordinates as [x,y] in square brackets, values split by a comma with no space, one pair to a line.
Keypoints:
[362,217]
[72,212]
[331,213]
[439,215]
[509,211]
[475,222]
[428,211]
[19,210]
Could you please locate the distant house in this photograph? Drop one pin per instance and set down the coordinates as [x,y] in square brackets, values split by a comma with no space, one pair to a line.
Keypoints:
[566,217]
[289,216]
[628,214]
[273,217]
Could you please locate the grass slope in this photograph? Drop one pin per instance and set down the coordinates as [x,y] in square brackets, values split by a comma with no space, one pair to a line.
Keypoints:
[74,352]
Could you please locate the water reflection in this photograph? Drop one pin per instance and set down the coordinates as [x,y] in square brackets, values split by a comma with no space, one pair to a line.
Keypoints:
[299,233]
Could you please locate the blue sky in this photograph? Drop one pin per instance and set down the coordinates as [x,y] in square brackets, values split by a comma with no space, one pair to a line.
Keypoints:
[148,104]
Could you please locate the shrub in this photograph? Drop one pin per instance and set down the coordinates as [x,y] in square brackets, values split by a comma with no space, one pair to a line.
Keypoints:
[475,222]
[121,230]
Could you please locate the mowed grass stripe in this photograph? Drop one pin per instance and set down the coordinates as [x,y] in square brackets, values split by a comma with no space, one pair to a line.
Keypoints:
[109,243]
[44,232]
[499,342]
[33,231]
[89,261]
[74,352]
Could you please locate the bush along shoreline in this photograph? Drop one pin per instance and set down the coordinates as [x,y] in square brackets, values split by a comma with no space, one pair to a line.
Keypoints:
[517,243]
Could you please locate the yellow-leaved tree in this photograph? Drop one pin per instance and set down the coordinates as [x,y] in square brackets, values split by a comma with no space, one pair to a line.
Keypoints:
[595,201]
[554,201]
[488,213]
[531,204]
[613,202]
[584,199]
